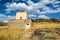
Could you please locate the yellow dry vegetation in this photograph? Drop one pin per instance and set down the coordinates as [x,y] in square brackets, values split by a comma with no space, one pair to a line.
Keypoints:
[10,34]
[46,25]
[18,33]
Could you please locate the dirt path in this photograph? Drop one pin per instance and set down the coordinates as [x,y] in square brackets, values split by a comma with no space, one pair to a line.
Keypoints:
[26,35]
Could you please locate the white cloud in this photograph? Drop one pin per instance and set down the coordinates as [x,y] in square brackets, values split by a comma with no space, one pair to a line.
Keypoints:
[33,7]
[11,17]
[5,21]
[2,15]
[30,2]
[32,15]
[5,18]
[15,6]
[43,17]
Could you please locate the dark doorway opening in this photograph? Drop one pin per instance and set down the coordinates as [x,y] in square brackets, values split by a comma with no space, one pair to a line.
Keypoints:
[20,17]
[27,24]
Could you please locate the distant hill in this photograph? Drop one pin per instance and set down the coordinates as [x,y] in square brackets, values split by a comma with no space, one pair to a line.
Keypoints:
[47,20]
[3,24]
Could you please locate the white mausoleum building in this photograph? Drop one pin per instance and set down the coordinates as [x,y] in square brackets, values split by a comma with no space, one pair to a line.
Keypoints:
[21,21]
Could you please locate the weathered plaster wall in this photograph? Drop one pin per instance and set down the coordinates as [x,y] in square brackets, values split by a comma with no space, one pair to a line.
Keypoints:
[21,14]
[18,23]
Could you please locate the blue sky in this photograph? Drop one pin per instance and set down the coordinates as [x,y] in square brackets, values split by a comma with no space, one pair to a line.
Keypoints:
[45,9]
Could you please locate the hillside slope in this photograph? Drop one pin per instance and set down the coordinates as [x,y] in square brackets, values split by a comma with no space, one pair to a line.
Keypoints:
[39,31]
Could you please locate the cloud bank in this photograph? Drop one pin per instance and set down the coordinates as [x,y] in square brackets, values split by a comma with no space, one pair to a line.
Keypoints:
[34,7]
[5,18]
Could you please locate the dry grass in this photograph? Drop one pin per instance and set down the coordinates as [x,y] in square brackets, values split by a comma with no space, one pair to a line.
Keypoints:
[10,34]
[19,33]
[46,25]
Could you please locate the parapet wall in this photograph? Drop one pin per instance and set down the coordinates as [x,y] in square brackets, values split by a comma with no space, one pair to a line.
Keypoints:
[18,23]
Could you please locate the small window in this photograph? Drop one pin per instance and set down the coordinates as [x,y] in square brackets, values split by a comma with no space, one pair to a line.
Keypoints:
[27,24]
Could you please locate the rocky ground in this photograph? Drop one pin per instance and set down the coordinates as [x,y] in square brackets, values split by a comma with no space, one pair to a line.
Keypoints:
[41,34]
